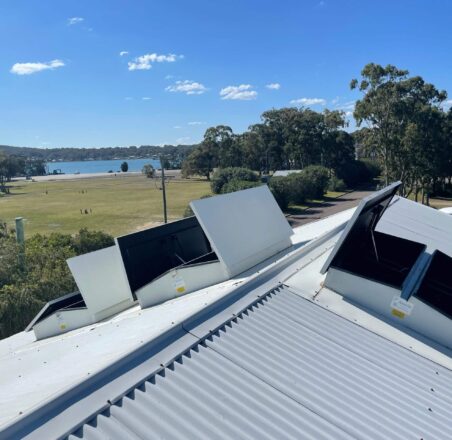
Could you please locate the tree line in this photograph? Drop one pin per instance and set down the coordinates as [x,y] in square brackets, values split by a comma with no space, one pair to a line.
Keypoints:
[287,138]
[403,128]
[175,154]
[12,166]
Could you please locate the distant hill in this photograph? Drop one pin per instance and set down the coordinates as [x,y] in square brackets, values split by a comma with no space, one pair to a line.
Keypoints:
[172,152]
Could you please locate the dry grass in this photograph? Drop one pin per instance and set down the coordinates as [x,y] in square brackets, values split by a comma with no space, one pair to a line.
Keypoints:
[118,205]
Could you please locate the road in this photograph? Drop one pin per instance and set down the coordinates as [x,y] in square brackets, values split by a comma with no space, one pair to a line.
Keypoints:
[327,208]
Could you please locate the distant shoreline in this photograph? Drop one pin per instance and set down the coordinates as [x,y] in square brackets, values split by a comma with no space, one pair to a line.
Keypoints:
[59,177]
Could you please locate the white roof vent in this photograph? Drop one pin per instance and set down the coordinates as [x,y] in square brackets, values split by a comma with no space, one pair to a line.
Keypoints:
[229,234]
[396,270]
[104,291]
[244,228]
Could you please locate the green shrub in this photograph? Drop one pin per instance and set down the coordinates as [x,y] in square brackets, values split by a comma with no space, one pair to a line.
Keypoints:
[88,241]
[46,276]
[297,187]
[224,175]
[281,190]
[336,184]
[373,167]
[358,172]
[237,185]
[310,183]
[316,180]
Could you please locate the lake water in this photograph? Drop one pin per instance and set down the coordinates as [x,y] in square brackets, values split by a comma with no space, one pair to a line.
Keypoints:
[100,166]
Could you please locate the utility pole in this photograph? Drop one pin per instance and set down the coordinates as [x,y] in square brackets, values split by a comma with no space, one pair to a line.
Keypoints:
[162,162]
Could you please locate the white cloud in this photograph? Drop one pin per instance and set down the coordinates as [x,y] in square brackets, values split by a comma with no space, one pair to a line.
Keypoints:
[273,86]
[144,62]
[183,139]
[128,98]
[349,114]
[196,123]
[74,20]
[188,87]
[169,76]
[335,100]
[242,92]
[308,101]
[123,52]
[349,105]
[29,68]
[146,98]
[177,127]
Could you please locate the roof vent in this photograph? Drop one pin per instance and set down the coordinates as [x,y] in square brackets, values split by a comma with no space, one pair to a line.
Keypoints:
[229,234]
[169,260]
[403,279]
[104,291]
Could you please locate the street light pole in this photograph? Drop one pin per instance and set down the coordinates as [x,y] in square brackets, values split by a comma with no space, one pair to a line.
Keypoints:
[165,216]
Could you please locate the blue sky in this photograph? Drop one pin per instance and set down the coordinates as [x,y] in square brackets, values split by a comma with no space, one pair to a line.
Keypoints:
[131,72]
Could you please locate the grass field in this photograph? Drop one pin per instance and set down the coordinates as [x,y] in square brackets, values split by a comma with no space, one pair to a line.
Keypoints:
[118,204]
[435,203]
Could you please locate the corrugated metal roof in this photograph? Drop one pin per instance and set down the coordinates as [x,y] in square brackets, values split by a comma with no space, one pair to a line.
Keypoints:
[285,368]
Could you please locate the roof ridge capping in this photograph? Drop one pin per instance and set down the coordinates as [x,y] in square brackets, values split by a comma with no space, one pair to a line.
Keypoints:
[228,235]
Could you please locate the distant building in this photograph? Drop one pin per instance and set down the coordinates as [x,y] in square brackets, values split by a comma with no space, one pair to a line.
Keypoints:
[285,173]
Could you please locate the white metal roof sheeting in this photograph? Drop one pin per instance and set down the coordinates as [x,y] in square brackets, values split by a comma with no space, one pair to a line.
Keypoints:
[413,221]
[33,374]
[285,368]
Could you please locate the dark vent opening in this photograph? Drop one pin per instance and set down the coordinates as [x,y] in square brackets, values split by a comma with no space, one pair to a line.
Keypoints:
[67,302]
[378,256]
[436,287]
[150,253]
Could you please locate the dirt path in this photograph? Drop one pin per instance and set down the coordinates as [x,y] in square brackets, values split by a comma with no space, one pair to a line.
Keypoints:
[327,208]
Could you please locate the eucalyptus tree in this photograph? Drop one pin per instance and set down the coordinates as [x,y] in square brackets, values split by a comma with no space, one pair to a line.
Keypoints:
[395,105]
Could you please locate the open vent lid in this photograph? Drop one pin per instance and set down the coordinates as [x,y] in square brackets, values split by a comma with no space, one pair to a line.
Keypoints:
[244,228]
[365,218]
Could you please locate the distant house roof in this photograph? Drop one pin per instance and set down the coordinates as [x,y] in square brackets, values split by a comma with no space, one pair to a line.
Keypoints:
[285,173]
